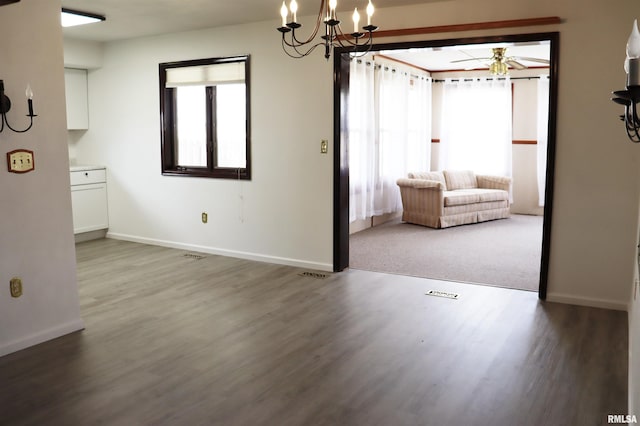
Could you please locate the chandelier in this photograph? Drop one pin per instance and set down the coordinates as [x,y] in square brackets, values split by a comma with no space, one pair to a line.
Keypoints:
[631,96]
[359,41]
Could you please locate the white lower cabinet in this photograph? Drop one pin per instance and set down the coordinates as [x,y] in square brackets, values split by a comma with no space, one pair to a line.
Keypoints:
[89,200]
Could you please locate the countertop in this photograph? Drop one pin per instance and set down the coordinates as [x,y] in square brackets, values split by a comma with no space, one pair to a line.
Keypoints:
[81,168]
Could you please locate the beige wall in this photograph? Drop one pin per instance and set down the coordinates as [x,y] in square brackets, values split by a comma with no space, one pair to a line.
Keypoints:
[37,235]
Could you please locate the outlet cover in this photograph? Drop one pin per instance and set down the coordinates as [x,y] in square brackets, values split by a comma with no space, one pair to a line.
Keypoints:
[15,286]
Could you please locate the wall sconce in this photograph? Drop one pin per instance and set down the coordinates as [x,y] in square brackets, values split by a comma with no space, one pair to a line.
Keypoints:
[631,96]
[5,106]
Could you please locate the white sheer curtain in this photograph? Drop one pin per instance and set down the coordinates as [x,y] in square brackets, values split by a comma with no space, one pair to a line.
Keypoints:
[543,125]
[363,145]
[389,113]
[476,129]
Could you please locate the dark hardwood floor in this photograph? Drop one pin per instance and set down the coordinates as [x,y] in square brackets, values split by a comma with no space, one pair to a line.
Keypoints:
[176,340]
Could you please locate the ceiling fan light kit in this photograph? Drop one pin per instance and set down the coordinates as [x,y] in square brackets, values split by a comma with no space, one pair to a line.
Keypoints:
[631,96]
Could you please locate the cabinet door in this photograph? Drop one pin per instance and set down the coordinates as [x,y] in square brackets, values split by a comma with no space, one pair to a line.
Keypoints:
[89,207]
[77,99]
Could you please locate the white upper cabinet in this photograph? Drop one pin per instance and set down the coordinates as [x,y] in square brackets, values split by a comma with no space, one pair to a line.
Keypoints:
[77,98]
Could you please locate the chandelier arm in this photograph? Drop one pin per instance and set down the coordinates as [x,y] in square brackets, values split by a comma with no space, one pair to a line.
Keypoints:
[315,30]
[298,54]
[5,121]
[632,122]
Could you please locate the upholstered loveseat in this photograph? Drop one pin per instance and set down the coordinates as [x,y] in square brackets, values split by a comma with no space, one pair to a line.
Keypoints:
[450,198]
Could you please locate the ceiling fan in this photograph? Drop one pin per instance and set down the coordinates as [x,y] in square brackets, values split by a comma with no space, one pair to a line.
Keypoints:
[500,63]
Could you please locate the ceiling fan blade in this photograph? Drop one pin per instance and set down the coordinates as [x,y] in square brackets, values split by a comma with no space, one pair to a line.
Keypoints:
[524,58]
[515,64]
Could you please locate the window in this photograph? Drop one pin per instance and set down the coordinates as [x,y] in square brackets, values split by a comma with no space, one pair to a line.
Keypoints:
[204,116]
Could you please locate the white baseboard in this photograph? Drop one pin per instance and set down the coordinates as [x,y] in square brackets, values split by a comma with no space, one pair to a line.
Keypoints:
[587,301]
[327,267]
[41,337]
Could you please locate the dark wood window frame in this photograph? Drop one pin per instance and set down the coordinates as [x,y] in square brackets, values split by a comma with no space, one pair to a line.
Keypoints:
[168,124]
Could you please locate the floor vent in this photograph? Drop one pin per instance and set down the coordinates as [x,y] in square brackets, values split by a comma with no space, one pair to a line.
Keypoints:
[315,275]
[443,294]
[194,256]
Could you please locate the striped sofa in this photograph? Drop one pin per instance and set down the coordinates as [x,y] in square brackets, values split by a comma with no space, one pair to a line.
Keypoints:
[450,198]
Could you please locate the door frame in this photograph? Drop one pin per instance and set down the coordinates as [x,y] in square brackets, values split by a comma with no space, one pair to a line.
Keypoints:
[341,152]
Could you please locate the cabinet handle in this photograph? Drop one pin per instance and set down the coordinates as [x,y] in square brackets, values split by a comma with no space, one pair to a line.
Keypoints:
[86,174]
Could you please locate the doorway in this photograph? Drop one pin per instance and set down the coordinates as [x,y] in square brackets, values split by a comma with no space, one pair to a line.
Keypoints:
[341,163]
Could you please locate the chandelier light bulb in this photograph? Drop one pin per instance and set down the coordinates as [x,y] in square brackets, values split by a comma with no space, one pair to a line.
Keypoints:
[332,8]
[370,11]
[284,12]
[633,44]
[293,6]
[356,20]
[29,92]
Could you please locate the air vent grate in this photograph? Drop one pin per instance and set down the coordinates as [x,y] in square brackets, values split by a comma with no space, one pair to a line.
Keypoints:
[194,256]
[445,294]
[315,275]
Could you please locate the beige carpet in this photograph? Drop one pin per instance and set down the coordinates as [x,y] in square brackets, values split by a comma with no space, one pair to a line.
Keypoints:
[504,253]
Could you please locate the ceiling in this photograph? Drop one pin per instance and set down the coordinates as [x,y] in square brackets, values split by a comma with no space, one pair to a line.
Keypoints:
[137,18]
[441,58]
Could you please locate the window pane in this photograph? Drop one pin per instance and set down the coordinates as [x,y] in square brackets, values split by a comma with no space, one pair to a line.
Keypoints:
[231,126]
[191,126]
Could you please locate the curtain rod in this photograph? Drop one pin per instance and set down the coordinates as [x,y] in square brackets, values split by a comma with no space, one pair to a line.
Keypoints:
[492,78]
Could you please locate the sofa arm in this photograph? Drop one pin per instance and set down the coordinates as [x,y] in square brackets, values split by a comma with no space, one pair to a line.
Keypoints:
[421,184]
[494,182]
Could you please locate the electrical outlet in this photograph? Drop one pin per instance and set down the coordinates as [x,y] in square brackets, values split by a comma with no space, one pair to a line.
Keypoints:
[205,217]
[15,286]
[324,146]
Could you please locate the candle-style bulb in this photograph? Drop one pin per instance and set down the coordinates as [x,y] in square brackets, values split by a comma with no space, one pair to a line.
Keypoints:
[633,44]
[293,6]
[332,8]
[356,20]
[284,12]
[370,11]
[29,92]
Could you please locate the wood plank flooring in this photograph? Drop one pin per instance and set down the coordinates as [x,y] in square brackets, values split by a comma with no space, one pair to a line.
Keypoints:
[176,340]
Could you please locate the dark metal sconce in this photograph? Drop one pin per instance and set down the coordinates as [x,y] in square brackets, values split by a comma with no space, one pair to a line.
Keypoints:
[631,96]
[5,106]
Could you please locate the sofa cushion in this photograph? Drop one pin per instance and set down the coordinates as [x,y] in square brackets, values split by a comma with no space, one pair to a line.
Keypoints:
[462,197]
[493,195]
[437,176]
[460,179]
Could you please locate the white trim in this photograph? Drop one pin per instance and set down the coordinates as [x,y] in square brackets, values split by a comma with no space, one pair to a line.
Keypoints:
[587,301]
[327,267]
[42,336]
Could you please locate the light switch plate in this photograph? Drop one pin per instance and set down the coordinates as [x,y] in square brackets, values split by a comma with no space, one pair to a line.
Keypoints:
[20,161]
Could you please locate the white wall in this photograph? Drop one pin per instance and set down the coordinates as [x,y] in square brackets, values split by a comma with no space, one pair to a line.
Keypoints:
[284,213]
[634,342]
[37,233]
